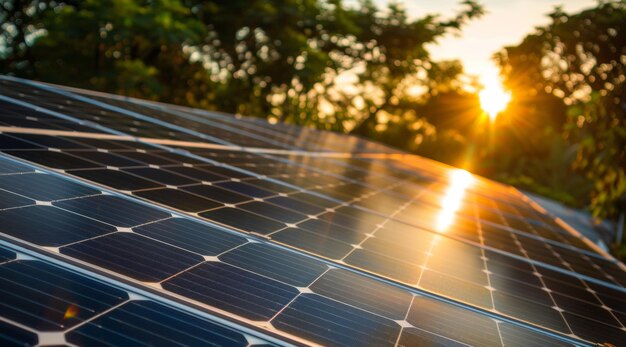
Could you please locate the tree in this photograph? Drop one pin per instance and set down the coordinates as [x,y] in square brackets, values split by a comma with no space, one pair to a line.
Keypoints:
[278,59]
[579,59]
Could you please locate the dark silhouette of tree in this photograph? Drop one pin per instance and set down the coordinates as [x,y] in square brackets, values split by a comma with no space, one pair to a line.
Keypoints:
[277,58]
[579,59]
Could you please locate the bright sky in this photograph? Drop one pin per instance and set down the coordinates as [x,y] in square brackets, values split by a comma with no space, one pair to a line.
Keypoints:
[505,23]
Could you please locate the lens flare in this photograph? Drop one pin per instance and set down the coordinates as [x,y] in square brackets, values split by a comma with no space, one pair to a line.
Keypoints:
[493,98]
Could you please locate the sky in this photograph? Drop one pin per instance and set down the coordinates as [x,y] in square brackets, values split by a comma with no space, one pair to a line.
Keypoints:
[505,23]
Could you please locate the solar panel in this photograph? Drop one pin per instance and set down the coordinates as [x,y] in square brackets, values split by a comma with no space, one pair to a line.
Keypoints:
[297,235]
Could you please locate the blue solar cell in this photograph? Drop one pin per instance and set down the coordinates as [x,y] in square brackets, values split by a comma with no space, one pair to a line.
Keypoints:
[134,256]
[329,322]
[44,187]
[246,189]
[216,193]
[53,159]
[10,142]
[365,293]
[513,335]
[313,242]
[273,211]
[8,200]
[113,210]
[230,288]
[418,337]
[281,265]
[161,176]
[6,254]
[116,179]
[296,205]
[150,324]
[40,296]
[530,311]
[7,167]
[179,199]
[453,322]
[192,236]
[49,226]
[12,336]
[243,220]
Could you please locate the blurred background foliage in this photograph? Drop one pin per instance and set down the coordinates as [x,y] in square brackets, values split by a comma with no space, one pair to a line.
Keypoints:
[357,69]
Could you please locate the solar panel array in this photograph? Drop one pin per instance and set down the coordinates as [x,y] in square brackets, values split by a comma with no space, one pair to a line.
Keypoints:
[127,221]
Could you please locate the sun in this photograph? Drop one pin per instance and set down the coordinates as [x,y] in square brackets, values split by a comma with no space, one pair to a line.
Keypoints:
[493,98]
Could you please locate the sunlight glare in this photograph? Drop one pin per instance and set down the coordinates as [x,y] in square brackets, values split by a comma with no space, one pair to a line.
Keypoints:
[493,98]
[460,180]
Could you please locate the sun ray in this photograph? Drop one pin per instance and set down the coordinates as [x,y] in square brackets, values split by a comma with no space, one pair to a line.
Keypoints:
[493,98]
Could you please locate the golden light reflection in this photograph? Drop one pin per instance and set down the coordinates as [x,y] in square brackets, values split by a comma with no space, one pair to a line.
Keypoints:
[493,98]
[71,312]
[460,180]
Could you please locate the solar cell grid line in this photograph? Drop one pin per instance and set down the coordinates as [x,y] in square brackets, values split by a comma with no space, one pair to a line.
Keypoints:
[136,123]
[228,133]
[561,237]
[306,295]
[136,104]
[244,120]
[54,100]
[14,117]
[540,241]
[593,303]
[88,153]
[501,229]
[299,138]
[294,136]
[43,113]
[185,173]
[233,121]
[517,222]
[618,269]
[597,269]
[497,284]
[131,121]
[559,224]
[579,243]
[487,272]
[47,302]
[564,244]
[593,254]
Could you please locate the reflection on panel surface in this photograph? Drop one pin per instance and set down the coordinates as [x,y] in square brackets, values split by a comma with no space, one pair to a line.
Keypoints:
[349,243]
[48,305]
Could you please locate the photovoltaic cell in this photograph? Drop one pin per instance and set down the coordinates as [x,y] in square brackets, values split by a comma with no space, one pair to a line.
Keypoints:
[133,255]
[240,273]
[161,324]
[38,296]
[43,303]
[49,226]
[373,222]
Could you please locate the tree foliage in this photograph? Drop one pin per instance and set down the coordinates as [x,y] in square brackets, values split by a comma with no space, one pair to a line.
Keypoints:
[280,59]
[577,63]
